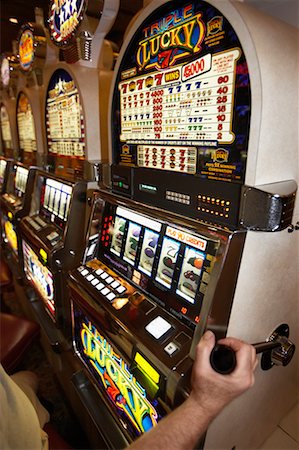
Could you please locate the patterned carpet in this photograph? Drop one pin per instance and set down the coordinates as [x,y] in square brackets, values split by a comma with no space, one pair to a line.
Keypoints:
[50,392]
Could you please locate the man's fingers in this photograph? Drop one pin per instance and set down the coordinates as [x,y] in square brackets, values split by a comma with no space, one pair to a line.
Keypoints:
[204,348]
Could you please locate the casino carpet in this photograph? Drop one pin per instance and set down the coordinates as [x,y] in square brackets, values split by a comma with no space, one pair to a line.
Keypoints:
[50,392]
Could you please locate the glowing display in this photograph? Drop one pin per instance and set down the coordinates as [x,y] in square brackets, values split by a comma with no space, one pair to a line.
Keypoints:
[158,327]
[55,201]
[40,276]
[64,116]
[3,164]
[5,73]
[182,96]
[26,49]
[113,375]
[10,235]
[5,128]
[21,180]
[167,262]
[181,111]
[26,126]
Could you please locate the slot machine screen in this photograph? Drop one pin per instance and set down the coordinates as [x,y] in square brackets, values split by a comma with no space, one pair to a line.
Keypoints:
[20,181]
[64,117]
[170,263]
[5,129]
[55,201]
[26,129]
[3,164]
[40,276]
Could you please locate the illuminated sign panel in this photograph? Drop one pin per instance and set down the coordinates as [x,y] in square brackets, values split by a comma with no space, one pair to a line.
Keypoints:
[5,128]
[182,95]
[64,117]
[3,164]
[40,276]
[26,49]
[64,19]
[26,126]
[5,72]
[113,376]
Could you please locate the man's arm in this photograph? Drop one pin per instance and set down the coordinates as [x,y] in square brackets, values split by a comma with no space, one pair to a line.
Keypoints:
[210,393]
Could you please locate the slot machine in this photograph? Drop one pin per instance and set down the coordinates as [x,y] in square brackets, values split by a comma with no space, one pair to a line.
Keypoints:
[5,165]
[6,137]
[196,231]
[32,49]
[76,124]
[51,244]
[15,203]
[53,231]
[9,78]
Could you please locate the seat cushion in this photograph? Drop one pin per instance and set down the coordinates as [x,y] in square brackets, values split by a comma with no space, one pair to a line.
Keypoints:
[56,441]
[16,336]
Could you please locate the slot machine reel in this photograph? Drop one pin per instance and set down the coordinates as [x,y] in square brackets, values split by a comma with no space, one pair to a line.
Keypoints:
[277,350]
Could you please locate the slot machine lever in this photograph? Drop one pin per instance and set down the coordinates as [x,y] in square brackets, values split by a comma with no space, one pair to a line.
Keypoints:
[278,350]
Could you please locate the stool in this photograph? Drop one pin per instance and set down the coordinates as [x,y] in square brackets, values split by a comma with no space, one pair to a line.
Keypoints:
[56,442]
[16,336]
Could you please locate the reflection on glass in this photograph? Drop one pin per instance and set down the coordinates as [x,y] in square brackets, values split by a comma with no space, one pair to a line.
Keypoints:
[148,251]
[132,242]
[118,234]
[168,257]
[190,274]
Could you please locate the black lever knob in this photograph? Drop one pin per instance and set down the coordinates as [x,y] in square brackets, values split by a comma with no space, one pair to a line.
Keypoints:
[223,358]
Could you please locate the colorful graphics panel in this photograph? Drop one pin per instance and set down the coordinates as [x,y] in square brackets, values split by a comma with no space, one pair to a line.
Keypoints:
[26,50]
[10,235]
[64,19]
[182,96]
[138,413]
[40,276]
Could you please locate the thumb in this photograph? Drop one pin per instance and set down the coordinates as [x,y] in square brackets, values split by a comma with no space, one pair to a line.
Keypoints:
[204,348]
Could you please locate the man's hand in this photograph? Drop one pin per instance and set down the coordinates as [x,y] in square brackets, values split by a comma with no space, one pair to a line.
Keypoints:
[214,391]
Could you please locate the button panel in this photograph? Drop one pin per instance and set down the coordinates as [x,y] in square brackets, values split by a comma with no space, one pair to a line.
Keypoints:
[105,283]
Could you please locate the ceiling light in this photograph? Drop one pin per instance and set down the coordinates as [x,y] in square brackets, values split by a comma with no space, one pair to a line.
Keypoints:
[13,20]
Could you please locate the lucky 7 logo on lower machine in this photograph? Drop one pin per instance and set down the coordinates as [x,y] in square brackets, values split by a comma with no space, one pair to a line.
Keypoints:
[120,385]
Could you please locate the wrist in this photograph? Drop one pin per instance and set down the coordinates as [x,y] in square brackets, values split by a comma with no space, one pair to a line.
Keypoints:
[208,408]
